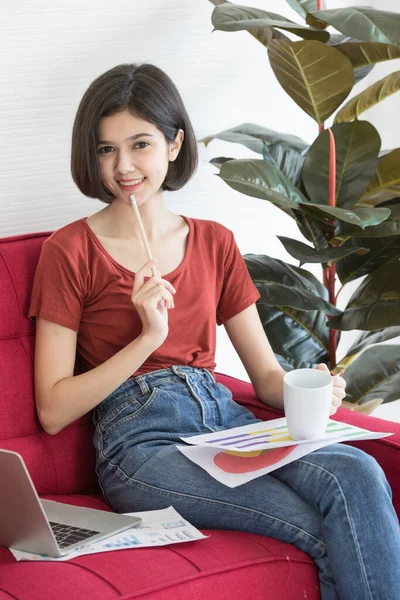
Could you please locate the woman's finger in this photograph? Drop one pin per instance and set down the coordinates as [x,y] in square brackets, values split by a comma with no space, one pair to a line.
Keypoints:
[161,294]
[338,381]
[153,282]
[144,271]
[154,294]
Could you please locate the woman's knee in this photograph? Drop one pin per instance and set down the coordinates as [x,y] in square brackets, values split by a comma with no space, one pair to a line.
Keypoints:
[355,467]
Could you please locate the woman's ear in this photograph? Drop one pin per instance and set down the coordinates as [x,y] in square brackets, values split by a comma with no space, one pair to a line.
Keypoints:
[176,145]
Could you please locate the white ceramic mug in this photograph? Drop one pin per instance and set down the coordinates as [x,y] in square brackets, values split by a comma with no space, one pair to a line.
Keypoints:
[307,397]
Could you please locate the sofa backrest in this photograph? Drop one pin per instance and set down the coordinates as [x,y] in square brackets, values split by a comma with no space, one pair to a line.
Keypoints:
[60,464]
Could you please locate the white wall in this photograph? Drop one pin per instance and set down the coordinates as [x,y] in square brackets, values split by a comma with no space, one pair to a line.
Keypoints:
[52,50]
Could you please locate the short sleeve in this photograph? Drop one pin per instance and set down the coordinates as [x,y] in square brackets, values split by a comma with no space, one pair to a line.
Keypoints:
[58,290]
[238,291]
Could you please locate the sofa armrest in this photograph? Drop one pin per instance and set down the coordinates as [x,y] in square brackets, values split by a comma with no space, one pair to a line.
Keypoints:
[385,450]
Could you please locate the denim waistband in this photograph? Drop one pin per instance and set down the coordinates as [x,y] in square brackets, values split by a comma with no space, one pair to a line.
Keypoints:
[146,382]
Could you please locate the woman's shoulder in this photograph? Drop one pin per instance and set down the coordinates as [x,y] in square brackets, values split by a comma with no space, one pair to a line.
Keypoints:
[212,229]
[69,235]
[68,244]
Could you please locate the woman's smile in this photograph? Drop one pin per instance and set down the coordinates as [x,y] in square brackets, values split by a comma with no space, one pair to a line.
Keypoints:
[130,185]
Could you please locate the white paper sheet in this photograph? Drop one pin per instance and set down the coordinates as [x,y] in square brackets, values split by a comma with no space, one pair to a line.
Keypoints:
[236,456]
[158,528]
[265,435]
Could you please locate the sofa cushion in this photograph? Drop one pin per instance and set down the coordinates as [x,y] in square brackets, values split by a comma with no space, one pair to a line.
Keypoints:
[218,566]
[58,464]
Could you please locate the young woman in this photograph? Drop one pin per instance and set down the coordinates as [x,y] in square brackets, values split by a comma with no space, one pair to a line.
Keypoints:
[146,343]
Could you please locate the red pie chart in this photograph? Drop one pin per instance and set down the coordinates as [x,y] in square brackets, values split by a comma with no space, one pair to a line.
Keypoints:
[241,462]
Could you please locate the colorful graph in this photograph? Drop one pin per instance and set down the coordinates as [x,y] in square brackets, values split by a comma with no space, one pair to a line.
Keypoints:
[127,541]
[270,435]
[157,538]
[246,462]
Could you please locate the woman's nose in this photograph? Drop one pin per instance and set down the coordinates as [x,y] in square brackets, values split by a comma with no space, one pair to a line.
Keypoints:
[124,163]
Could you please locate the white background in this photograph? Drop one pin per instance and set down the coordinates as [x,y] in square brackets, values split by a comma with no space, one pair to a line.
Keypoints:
[52,49]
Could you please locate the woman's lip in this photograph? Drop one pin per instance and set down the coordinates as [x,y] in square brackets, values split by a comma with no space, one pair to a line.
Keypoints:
[131,188]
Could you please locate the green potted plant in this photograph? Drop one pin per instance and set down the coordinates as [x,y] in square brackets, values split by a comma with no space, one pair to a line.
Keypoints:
[342,190]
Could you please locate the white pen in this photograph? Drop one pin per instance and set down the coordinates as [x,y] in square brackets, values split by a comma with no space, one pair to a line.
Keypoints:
[142,232]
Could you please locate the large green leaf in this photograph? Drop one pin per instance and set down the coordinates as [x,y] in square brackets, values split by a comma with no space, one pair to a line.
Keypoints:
[363,23]
[233,17]
[319,221]
[381,251]
[386,183]
[219,160]
[302,7]
[260,179]
[357,148]
[376,302]
[374,374]
[340,214]
[300,336]
[375,93]
[254,136]
[313,232]
[367,338]
[282,285]
[307,254]
[381,224]
[361,54]
[288,161]
[338,40]
[317,77]
[263,34]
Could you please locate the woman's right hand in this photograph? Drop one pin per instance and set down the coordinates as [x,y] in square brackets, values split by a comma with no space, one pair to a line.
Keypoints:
[152,300]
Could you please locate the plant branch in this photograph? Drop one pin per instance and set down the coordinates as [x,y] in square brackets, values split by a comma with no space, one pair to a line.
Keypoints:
[331,270]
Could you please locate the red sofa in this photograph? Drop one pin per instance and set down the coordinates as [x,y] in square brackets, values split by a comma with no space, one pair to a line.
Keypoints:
[226,566]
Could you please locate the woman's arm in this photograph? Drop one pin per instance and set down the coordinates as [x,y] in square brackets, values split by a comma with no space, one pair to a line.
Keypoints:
[248,337]
[61,397]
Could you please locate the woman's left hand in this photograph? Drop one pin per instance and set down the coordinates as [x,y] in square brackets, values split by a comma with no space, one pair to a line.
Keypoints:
[339,386]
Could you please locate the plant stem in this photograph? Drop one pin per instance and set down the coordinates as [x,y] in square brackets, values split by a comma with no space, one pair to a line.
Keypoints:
[332,170]
[332,300]
[329,273]
[336,297]
[331,270]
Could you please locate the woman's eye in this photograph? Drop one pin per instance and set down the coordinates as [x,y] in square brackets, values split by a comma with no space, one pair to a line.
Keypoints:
[108,149]
[105,150]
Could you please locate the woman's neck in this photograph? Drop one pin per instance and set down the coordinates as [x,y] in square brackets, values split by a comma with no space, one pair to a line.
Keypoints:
[118,220]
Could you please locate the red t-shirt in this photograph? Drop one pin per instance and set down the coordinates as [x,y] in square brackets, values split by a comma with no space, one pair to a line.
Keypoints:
[80,286]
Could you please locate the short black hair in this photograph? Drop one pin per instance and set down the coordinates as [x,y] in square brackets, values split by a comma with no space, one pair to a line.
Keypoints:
[149,94]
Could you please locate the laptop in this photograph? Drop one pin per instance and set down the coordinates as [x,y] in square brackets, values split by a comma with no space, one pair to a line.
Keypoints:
[43,526]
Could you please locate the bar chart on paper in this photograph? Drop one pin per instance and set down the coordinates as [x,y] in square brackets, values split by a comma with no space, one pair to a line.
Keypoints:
[267,435]
[155,537]
[127,541]
[279,434]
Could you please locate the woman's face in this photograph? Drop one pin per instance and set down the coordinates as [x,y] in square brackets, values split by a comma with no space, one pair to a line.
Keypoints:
[133,156]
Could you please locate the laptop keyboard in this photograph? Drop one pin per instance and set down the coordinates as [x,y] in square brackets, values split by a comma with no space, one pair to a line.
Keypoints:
[66,535]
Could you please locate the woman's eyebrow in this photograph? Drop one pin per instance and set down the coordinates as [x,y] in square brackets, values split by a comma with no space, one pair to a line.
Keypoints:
[131,138]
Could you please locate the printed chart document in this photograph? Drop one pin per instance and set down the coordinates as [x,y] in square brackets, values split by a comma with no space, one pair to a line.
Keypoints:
[236,456]
[158,528]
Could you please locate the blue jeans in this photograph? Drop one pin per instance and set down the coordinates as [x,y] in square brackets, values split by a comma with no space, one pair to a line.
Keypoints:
[334,504]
